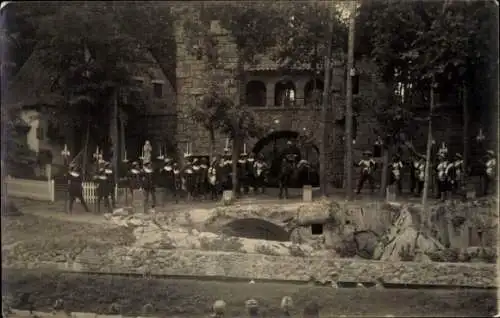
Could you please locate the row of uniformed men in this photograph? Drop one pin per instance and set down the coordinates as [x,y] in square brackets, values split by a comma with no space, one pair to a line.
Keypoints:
[195,178]
[449,173]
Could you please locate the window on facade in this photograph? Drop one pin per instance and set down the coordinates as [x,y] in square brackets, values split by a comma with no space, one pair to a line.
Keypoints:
[284,94]
[313,92]
[137,83]
[316,229]
[40,133]
[256,94]
[158,90]
[134,97]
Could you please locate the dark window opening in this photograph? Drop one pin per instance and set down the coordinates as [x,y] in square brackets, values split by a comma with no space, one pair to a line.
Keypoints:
[158,90]
[256,94]
[284,94]
[313,92]
[316,229]
[137,83]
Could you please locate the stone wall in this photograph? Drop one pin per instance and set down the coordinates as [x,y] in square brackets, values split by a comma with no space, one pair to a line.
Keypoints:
[194,77]
[257,266]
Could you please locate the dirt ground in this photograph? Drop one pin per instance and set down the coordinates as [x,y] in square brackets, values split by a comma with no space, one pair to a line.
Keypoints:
[191,298]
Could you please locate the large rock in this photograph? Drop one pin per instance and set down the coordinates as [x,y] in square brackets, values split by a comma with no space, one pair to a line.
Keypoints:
[404,240]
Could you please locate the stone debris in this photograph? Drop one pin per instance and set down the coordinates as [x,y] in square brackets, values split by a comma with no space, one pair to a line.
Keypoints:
[403,239]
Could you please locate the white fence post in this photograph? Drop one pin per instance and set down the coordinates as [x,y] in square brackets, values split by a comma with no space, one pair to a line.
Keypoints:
[52,190]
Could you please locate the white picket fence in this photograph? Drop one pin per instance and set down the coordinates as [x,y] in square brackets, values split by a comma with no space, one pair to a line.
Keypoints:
[90,192]
[43,190]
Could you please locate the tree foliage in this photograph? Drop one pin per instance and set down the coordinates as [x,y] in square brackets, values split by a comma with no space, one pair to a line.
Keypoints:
[302,31]
[422,41]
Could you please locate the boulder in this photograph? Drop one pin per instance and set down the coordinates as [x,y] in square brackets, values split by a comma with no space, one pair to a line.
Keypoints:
[403,240]
[122,211]
[320,212]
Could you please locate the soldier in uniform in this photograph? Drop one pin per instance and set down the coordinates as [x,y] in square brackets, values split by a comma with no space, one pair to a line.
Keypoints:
[197,177]
[111,180]
[148,185]
[368,166]
[167,180]
[203,181]
[214,178]
[456,173]
[420,174]
[396,167]
[188,176]
[75,187]
[490,171]
[243,172]
[250,171]
[260,168]
[103,190]
[177,180]
[134,178]
[442,176]
[228,170]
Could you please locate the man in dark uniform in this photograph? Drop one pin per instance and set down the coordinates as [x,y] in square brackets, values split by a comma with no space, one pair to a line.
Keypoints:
[134,179]
[228,170]
[243,172]
[148,185]
[396,167]
[111,180]
[214,178]
[177,180]
[203,181]
[250,171]
[260,168]
[197,177]
[103,190]
[367,165]
[75,187]
[167,180]
[188,176]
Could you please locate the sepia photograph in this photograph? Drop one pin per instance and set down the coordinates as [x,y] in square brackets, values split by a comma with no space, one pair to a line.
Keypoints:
[305,158]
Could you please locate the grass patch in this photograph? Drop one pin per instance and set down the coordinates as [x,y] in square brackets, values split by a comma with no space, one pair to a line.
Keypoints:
[191,298]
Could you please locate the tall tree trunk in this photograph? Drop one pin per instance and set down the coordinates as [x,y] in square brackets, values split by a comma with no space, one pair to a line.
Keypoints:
[211,134]
[114,135]
[427,179]
[465,134]
[86,149]
[385,170]
[235,157]
[324,114]
[348,127]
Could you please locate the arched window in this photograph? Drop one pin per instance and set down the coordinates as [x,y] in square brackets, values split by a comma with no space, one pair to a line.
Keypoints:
[313,92]
[256,94]
[284,94]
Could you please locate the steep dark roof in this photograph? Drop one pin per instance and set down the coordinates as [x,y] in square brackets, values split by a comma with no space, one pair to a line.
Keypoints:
[33,84]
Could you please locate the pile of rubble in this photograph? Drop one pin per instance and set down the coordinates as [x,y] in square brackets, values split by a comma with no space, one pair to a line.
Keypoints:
[156,232]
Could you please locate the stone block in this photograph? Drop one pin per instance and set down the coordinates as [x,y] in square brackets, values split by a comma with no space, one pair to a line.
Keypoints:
[227,197]
[307,193]
[470,194]
[83,315]
[390,193]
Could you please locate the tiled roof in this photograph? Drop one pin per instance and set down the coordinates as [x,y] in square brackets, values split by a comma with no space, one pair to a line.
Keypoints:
[266,63]
[33,84]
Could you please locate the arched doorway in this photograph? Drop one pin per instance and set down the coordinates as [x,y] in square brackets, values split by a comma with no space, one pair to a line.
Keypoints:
[273,145]
[313,92]
[284,94]
[256,94]
[254,228]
